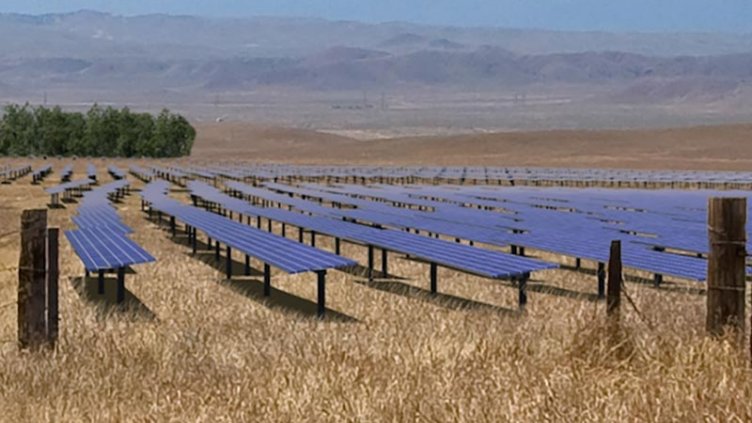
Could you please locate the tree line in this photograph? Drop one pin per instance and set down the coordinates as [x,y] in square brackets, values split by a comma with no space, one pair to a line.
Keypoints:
[100,132]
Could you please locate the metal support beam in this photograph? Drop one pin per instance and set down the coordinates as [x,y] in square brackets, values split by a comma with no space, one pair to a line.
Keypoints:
[434,279]
[522,287]
[601,280]
[120,296]
[228,263]
[267,280]
[370,262]
[100,282]
[657,280]
[384,262]
[321,276]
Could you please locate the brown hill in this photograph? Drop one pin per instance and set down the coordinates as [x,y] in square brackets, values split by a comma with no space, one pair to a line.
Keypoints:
[727,147]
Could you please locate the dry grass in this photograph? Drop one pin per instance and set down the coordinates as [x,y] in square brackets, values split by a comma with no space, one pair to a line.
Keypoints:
[213,351]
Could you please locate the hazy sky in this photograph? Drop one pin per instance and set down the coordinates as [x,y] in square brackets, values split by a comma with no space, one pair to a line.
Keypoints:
[622,15]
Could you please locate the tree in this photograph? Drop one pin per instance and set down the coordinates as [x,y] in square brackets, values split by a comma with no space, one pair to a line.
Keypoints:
[104,132]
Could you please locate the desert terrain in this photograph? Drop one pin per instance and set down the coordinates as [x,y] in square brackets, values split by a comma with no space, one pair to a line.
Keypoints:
[723,147]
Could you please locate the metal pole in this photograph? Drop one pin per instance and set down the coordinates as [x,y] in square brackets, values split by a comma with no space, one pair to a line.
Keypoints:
[267,280]
[120,285]
[434,279]
[321,276]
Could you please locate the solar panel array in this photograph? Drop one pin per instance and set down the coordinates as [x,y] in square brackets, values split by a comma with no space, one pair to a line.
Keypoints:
[101,240]
[11,173]
[40,173]
[66,173]
[486,175]
[487,263]
[282,253]
[578,223]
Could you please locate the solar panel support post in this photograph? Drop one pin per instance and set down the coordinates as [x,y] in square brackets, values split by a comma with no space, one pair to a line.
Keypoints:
[601,273]
[100,282]
[300,235]
[216,250]
[657,280]
[284,229]
[522,291]
[384,263]
[247,265]
[514,249]
[269,225]
[228,263]
[267,280]
[321,282]
[577,263]
[194,242]
[727,218]
[313,238]
[370,262]
[173,226]
[120,296]
[434,278]
[614,280]
[337,246]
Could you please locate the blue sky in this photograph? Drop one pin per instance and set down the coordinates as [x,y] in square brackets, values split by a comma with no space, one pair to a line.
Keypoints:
[619,15]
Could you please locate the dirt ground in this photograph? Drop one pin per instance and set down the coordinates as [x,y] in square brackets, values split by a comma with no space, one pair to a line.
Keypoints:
[726,147]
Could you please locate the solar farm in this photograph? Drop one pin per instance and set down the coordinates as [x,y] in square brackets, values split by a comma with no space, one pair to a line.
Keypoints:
[396,293]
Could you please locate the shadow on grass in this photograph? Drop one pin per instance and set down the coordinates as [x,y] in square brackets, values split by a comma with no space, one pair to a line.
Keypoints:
[249,286]
[442,300]
[87,289]
[281,300]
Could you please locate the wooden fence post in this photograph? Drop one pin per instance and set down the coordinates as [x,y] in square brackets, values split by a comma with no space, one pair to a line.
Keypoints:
[613,300]
[32,328]
[727,219]
[53,274]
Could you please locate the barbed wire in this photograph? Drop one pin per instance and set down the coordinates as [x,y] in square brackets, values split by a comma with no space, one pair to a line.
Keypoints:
[634,306]
[6,234]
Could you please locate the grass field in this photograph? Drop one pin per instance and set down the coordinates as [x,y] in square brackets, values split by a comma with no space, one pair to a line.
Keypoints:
[195,347]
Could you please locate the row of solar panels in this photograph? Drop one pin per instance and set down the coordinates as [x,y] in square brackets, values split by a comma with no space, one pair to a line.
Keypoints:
[101,240]
[266,171]
[487,263]
[576,233]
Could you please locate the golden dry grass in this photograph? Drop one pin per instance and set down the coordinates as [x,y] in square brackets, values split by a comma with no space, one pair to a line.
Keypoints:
[214,351]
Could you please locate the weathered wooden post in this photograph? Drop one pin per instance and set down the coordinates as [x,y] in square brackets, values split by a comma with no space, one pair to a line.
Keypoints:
[613,300]
[32,327]
[53,274]
[727,219]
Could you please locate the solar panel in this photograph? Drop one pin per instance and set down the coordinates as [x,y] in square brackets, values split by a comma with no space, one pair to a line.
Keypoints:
[478,261]
[102,249]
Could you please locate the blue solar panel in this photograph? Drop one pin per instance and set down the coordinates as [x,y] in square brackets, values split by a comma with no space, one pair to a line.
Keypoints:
[277,251]
[101,249]
[478,261]
[101,242]
[578,223]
